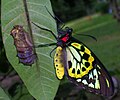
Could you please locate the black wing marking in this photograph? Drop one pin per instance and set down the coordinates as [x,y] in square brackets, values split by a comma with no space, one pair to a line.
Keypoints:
[85,69]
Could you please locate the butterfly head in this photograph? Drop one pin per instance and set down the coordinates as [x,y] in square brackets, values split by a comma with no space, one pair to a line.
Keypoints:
[69,30]
[65,34]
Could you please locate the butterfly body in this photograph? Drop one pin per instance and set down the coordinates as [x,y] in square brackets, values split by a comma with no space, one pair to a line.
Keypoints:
[76,61]
[24,45]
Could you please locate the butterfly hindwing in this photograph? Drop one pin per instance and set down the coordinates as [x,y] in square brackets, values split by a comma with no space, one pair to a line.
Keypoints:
[85,70]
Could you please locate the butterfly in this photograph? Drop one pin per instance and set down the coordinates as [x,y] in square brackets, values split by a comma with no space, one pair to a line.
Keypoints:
[79,64]
[24,45]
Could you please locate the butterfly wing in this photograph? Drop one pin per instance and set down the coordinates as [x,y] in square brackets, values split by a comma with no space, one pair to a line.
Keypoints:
[84,69]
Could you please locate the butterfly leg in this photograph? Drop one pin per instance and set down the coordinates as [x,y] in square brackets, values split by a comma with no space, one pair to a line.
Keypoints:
[52,52]
[45,30]
[46,45]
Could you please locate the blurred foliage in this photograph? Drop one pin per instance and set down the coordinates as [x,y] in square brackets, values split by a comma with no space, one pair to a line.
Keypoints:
[19,92]
[69,91]
[102,7]
[3,60]
[3,95]
[72,9]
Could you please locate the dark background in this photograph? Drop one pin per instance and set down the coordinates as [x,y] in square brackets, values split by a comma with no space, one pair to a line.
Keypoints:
[72,9]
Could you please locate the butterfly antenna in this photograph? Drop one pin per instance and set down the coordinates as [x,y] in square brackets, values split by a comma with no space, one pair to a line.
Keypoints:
[52,52]
[55,17]
[88,36]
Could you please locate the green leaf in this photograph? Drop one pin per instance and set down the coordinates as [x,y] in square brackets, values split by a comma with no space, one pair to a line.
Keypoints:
[3,95]
[39,78]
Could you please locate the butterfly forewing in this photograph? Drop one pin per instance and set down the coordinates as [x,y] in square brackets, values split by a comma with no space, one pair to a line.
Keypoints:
[85,70]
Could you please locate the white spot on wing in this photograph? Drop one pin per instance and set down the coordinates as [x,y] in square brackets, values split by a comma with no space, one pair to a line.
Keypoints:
[74,63]
[75,53]
[91,75]
[69,55]
[85,82]
[91,85]
[97,83]
[95,73]
[78,66]
[78,80]
[99,73]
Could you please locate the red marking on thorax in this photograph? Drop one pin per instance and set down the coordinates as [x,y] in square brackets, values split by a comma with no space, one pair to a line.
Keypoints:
[65,38]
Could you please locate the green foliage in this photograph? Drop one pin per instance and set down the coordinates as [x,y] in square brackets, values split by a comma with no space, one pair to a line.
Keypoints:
[72,9]
[69,9]
[102,7]
[3,95]
[19,92]
[39,78]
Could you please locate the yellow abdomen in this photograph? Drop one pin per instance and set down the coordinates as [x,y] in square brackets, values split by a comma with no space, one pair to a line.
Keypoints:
[58,62]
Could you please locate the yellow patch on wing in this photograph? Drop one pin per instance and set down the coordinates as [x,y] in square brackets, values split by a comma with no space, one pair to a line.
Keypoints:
[79,66]
[91,59]
[87,50]
[108,84]
[77,45]
[58,62]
